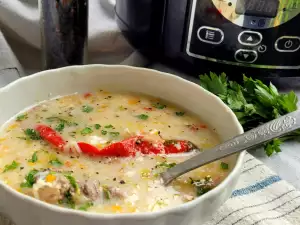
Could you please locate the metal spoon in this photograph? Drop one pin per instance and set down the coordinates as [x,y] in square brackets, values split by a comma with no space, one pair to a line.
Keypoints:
[250,139]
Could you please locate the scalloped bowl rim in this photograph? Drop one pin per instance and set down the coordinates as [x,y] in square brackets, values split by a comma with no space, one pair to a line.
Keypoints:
[139,215]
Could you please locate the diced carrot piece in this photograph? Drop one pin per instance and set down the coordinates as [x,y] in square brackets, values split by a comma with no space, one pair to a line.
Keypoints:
[86,95]
[68,164]
[50,178]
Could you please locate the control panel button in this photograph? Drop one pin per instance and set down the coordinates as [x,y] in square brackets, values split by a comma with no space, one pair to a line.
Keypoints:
[262,48]
[250,38]
[287,44]
[245,56]
[210,35]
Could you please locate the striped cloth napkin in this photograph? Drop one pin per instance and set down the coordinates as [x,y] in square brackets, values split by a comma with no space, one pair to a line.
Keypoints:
[261,198]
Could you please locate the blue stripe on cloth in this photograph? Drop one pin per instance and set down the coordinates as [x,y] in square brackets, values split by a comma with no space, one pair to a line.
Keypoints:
[256,187]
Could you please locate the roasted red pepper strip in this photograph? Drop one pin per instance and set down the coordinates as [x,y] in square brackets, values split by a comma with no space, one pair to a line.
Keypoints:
[131,146]
[178,147]
[51,136]
[124,148]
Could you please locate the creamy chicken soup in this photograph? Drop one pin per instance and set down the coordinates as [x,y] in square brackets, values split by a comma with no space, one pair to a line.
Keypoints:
[103,152]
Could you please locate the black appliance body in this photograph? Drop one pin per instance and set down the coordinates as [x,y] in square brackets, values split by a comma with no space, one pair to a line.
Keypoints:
[259,38]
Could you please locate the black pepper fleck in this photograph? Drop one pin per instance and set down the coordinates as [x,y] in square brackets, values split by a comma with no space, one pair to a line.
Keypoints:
[97,172]
[122,182]
[114,179]
[21,167]
[72,157]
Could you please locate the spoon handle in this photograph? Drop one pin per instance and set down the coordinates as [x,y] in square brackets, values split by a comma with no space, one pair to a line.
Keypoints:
[250,139]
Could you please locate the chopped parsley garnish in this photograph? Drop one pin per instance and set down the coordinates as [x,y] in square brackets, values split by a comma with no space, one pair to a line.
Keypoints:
[104,132]
[122,108]
[85,206]
[60,127]
[87,109]
[22,117]
[253,102]
[29,179]
[72,181]
[159,105]
[224,166]
[97,126]
[203,186]
[32,134]
[68,200]
[61,122]
[179,113]
[106,193]
[34,158]
[114,134]
[12,166]
[166,165]
[86,131]
[142,116]
[109,126]
[55,162]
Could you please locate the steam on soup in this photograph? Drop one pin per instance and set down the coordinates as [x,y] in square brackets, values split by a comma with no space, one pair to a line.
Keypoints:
[103,152]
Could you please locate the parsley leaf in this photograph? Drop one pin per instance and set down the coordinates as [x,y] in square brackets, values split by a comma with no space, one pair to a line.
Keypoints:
[224,166]
[159,105]
[103,132]
[87,109]
[109,126]
[60,127]
[55,162]
[179,113]
[85,206]
[106,193]
[97,126]
[22,117]
[32,134]
[86,131]
[166,165]
[12,166]
[34,158]
[114,134]
[68,200]
[273,146]
[142,116]
[253,103]
[29,179]
[72,181]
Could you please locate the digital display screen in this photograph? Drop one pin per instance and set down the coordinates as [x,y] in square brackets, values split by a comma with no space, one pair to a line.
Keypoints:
[263,8]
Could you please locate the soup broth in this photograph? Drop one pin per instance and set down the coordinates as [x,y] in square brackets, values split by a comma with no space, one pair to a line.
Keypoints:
[58,170]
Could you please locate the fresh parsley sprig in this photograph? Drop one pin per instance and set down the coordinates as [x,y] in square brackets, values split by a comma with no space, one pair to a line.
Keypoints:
[253,102]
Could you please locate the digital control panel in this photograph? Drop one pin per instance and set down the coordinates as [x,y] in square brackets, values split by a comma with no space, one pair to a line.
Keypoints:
[252,33]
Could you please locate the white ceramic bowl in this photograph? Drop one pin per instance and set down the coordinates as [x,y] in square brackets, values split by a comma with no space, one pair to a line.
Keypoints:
[24,210]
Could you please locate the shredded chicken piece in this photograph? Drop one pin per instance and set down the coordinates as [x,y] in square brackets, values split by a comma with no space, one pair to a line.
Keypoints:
[92,189]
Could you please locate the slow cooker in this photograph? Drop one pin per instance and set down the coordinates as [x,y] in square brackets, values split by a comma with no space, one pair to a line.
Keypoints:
[252,37]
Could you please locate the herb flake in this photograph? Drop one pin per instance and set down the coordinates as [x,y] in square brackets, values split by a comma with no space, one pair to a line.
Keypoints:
[159,105]
[224,166]
[87,109]
[12,166]
[29,179]
[86,206]
[142,116]
[55,162]
[34,158]
[22,117]
[86,131]
[97,126]
[32,134]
